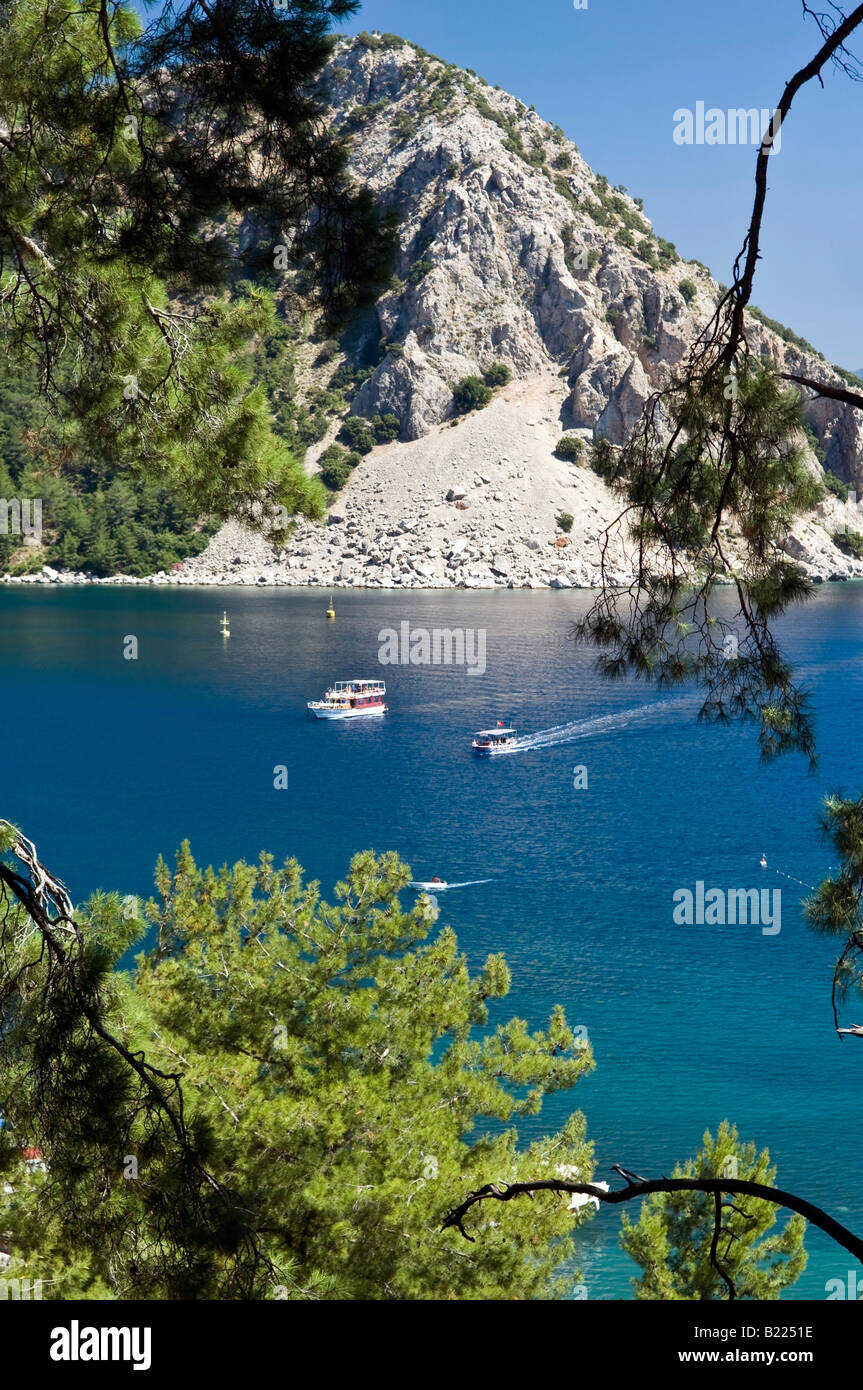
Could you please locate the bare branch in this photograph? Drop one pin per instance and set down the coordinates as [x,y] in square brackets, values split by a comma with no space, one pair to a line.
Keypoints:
[742,288]
[714,1246]
[822,388]
[501,1192]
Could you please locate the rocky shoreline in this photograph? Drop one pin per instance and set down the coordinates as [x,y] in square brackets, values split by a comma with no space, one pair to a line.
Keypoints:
[482,506]
[174,581]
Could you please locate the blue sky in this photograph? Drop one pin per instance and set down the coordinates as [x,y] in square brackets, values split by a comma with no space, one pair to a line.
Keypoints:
[613,75]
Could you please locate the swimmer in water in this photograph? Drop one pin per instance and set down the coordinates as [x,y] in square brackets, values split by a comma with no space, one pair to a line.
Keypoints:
[763,862]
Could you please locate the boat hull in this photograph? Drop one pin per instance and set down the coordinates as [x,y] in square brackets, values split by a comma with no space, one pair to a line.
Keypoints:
[368,712]
[494,752]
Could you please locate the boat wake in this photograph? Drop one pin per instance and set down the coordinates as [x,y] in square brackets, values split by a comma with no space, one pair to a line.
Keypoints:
[592,728]
[442,887]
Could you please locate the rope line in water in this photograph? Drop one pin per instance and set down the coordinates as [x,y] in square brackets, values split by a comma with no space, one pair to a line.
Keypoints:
[782,874]
[811,886]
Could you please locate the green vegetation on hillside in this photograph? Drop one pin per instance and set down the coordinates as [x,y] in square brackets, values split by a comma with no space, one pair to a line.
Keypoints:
[116,248]
[362,435]
[850,543]
[139,417]
[835,485]
[336,466]
[474,392]
[850,378]
[688,289]
[570,448]
[102,518]
[95,517]
[613,213]
[498,374]
[782,331]
[471,393]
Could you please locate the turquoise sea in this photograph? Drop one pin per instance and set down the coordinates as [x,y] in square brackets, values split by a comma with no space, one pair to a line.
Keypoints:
[108,762]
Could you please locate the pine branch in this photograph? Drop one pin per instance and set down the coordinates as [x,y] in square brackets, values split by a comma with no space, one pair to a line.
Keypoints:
[500,1192]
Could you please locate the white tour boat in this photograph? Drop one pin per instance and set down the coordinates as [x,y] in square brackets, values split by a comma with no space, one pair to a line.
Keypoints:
[350,700]
[489,742]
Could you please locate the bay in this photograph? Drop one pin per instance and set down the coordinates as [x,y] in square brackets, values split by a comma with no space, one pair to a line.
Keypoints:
[108,762]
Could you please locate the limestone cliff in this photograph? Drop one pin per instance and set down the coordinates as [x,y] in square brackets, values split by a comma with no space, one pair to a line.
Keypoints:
[511,250]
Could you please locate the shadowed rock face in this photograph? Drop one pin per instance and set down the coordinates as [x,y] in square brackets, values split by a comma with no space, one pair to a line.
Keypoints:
[500,211]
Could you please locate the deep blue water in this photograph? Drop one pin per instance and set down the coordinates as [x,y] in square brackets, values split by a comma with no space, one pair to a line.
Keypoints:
[109,762]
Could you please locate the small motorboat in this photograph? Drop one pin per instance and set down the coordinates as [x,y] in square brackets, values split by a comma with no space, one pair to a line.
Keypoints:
[439,885]
[489,742]
[350,700]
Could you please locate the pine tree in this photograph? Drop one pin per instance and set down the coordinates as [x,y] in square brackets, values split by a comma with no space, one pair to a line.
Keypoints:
[672,1239]
[715,476]
[834,907]
[340,1085]
[127,158]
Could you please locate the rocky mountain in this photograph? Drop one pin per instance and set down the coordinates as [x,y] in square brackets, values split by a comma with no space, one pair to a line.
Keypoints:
[512,253]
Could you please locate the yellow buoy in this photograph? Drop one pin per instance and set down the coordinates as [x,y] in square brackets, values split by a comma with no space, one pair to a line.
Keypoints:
[331,612]
[225,629]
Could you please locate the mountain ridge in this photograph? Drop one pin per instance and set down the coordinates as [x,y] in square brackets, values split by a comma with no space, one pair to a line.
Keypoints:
[511,252]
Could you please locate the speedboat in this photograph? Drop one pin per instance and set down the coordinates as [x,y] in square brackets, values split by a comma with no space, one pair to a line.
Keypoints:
[489,742]
[439,885]
[351,700]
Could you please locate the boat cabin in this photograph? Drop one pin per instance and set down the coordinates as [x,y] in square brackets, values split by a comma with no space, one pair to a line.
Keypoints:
[490,741]
[357,694]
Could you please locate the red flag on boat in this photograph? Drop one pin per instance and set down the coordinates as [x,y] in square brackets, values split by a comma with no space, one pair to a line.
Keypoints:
[500,723]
